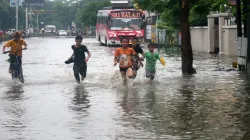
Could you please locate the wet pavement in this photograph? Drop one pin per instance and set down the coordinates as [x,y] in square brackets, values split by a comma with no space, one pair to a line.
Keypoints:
[210,105]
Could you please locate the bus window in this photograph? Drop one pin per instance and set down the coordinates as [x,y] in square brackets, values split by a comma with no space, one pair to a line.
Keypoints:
[106,20]
[102,20]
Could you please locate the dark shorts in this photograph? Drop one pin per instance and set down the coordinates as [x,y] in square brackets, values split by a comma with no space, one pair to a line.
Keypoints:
[124,69]
[14,58]
[80,68]
[136,65]
[150,73]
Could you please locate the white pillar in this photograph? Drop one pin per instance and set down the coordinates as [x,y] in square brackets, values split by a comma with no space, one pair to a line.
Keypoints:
[222,23]
[211,33]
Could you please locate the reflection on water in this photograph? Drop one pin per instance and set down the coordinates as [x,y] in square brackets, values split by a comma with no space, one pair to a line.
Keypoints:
[80,100]
[150,97]
[245,119]
[80,95]
[15,91]
[13,119]
[129,101]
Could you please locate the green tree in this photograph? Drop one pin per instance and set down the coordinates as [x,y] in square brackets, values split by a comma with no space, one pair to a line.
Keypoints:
[80,12]
[176,13]
[62,15]
[3,11]
[87,14]
[4,4]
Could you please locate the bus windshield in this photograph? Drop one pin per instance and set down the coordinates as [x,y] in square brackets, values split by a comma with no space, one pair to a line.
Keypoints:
[125,23]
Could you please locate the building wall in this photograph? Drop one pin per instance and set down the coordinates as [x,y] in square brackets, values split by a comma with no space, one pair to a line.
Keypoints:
[199,39]
[229,43]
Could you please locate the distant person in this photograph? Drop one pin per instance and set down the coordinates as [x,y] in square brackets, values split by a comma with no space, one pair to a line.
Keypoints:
[43,33]
[1,36]
[23,34]
[10,34]
[79,59]
[151,58]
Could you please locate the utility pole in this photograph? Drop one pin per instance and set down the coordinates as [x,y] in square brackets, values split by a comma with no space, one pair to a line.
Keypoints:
[245,18]
[37,24]
[9,19]
[238,18]
[26,18]
[17,9]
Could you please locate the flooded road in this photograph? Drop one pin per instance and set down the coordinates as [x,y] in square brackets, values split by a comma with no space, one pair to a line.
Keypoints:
[210,105]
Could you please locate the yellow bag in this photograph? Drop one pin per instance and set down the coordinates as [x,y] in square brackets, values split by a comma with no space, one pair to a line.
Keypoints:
[162,61]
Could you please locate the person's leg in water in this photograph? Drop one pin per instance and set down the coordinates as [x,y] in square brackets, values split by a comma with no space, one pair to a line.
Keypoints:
[124,77]
[152,77]
[135,69]
[130,73]
[77,76]
[76,70]
[150,74]
[19,59]
[126,72]
[10,70]
[123,74]
[83,71]
[12,60]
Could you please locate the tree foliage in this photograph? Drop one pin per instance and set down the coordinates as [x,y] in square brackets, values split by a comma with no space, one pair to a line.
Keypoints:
[87,14]
[170,11]
[4,6]
[62,17]
[81,12]
[7,16]
[180,14]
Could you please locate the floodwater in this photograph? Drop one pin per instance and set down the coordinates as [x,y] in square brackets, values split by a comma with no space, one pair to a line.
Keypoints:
[213,104]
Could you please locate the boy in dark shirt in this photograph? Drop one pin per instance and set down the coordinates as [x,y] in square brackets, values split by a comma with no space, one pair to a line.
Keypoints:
[136,60]
[80,62]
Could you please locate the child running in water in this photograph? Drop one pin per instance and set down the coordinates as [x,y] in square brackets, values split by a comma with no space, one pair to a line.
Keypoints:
[79,59]
[151,58]
[136,59]
[123,57]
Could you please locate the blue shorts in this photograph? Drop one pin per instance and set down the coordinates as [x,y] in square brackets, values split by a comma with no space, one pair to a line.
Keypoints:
[150,73]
